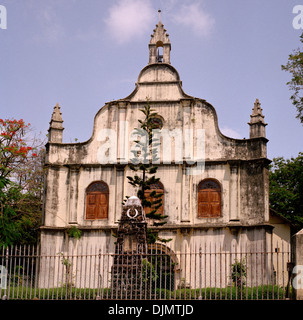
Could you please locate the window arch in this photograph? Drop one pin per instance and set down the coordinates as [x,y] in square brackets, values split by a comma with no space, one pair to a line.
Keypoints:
[159,56]
[97,201]
[159,188]
[209,199]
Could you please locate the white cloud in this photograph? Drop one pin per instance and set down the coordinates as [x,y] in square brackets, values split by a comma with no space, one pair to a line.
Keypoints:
[194,16]
[230,133]
[129,19]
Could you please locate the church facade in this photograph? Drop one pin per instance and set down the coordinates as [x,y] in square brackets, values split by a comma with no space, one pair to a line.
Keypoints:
[216,188]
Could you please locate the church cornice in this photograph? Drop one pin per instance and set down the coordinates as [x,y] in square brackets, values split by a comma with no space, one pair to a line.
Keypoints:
[179,82]
[175,226]
[120,166]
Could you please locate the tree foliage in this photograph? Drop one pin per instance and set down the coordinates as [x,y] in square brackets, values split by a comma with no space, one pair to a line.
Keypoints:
[295,67]
[14,150]
[21,183]
[145,155]
[286,188]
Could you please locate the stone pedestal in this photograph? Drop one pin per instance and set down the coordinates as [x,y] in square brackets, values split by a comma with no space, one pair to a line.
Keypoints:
[131,246]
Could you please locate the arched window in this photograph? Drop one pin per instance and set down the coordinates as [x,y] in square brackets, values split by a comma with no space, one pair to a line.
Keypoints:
[209,199]
[157,122]
[159,56]
[159,188]
[97,201]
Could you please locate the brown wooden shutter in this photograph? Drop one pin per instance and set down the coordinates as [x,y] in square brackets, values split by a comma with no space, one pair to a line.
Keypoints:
[91,206]
[97,201]
[102,204]
[209,199]
[149,198]
[215,203]
[203,204]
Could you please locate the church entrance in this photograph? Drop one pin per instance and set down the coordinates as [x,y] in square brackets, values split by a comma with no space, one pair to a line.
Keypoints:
[162,264]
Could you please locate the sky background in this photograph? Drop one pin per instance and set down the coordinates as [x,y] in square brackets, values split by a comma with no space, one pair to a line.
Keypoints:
[84,53]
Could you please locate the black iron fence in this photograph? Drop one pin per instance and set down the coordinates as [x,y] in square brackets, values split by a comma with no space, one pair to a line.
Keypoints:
[206,271]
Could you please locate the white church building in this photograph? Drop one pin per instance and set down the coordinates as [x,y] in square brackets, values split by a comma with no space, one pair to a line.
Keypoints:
[216,188]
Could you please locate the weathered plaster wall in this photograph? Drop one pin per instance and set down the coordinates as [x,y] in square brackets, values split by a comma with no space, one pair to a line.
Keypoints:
[192,115]
[239,166]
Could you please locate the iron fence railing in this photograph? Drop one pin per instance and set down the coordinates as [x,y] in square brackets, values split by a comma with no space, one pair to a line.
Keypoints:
[206,271]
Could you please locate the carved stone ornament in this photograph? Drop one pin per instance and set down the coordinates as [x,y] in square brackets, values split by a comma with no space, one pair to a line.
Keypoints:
[133,210]
[132,213]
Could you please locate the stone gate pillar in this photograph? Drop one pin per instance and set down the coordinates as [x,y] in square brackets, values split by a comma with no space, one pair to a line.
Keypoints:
[129,253]
[297,277]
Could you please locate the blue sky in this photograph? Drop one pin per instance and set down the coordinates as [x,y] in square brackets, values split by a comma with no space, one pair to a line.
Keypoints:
[84,53]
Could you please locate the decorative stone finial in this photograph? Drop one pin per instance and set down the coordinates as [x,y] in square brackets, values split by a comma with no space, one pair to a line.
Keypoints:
[257,115]
[257,123]
[57,115]
[56,126]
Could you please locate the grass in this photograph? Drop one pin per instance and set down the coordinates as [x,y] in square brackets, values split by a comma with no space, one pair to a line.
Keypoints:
[60,293]
[230,293]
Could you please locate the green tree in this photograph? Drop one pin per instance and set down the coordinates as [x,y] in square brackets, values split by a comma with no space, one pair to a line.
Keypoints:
[286,188]
[9,230]
[295,67]
[21,183]
[145,155]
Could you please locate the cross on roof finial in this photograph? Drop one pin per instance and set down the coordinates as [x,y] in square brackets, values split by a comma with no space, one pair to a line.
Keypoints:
[159,11]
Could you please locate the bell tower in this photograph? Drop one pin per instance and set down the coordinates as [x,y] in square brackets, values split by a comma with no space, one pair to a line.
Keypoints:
[159,41]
